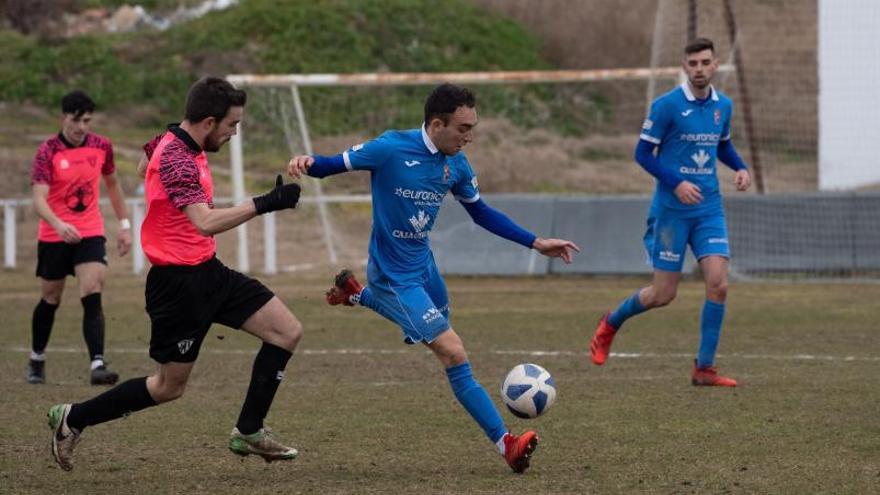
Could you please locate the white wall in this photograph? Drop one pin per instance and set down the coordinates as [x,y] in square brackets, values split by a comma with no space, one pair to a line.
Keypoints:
[849,93]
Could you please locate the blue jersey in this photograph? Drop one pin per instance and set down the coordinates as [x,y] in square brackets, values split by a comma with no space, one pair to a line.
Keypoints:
[687,132]
[409,177]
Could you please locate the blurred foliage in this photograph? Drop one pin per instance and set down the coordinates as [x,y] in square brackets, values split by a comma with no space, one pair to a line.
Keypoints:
[153,70]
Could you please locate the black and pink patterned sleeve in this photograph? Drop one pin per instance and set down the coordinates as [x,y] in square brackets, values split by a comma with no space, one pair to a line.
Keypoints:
[150,147]
[109,163]
[41,171]
[179,175]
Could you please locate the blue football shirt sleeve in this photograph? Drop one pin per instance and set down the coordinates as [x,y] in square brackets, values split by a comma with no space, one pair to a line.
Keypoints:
[728,156]
[645,157]
[369,155]
[325,166]
[725,129]
[466,189]
[498,223]
[654,127]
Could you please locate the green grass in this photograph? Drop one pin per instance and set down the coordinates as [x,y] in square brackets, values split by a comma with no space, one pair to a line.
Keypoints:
[386,422]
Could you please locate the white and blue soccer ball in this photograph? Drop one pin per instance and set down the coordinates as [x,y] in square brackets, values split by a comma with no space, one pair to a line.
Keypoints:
[528,390]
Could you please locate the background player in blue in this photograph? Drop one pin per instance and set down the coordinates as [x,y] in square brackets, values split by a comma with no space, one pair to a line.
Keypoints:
[411,172]
[691,127]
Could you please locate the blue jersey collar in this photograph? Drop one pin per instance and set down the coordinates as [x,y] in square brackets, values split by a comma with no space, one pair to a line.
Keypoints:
[686,89]
[428,143]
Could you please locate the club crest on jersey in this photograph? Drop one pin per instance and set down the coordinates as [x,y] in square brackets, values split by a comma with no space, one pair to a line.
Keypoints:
[717,116]
[421,221]
[445,172]
[93,161]
[184,345]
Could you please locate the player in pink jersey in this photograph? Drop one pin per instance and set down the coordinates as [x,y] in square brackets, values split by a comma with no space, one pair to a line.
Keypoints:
[66,180]
[188,288]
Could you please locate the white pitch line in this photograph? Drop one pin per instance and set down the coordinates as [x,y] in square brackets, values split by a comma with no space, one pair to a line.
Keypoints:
[538,353]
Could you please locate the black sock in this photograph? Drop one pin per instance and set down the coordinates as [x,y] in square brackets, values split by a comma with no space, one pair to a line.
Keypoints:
[93,325]
[125,398]
[267,374]
[41,325]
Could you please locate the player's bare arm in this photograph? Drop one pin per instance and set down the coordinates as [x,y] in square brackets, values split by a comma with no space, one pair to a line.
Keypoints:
[142,167]
[117,200]
[68,232]
[210,221]
[556,248]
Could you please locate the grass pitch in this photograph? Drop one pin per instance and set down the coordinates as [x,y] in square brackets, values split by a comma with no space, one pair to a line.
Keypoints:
[372,415]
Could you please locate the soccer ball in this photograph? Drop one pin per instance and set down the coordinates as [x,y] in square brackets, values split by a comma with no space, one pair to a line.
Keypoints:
[528,390]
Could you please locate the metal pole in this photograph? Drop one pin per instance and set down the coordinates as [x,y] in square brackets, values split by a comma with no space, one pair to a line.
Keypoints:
[9,234]
[270,261]
[692,20]
[657,39]
[137,214]
[236,164]
[319,192]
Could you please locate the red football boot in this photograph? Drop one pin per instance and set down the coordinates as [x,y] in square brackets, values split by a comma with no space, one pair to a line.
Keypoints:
[600,346]
[346,290]
[709,377]
[518,450]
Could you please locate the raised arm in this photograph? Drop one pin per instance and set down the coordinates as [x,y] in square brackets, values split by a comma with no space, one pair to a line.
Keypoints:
[316,166]
[210,221]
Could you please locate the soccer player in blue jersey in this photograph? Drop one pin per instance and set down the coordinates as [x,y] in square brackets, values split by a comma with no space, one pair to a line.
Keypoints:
[691,127]
[411,172]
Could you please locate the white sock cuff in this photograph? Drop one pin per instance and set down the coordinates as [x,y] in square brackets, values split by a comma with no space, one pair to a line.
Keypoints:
[500,444]
[38,357]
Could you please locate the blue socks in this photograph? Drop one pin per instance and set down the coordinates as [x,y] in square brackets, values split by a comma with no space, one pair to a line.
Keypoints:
[476,401]
[627,309]
[710,331]
[710,325]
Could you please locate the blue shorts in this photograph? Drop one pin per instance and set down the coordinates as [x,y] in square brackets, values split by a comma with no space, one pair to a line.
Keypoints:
[668,236]
[419,308]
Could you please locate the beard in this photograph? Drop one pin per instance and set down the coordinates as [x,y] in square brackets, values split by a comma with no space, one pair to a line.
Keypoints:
[700,83]
[212,143]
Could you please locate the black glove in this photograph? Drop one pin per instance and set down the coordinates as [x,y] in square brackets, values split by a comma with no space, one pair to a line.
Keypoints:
[283,196]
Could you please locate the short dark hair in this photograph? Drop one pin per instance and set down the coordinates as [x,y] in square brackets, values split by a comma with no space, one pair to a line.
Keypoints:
[697,45]
[212,97]
[77,103]
[445,100]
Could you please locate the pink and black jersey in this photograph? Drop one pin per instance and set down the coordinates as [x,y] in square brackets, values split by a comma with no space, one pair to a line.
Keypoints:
[73,175]
[177,176]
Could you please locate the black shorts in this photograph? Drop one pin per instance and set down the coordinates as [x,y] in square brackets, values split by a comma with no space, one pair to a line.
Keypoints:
[56,260]
[183,302]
